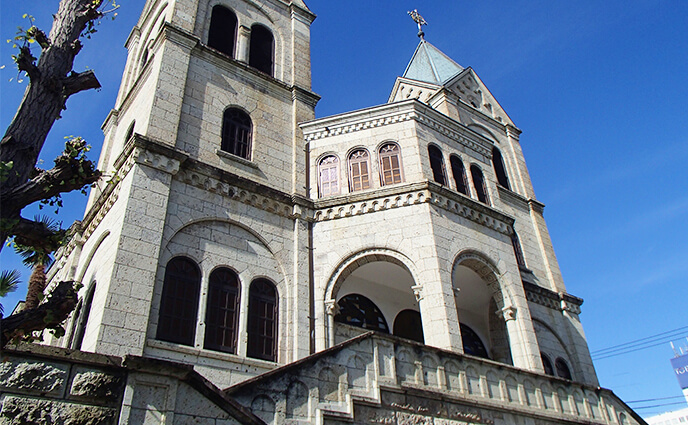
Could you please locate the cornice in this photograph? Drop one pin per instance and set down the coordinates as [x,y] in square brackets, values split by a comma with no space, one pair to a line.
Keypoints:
[512,198]
[560,301]
[407,195]
[393,113]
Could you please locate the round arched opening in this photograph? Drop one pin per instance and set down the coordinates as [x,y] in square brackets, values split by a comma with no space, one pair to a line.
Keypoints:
[372,297]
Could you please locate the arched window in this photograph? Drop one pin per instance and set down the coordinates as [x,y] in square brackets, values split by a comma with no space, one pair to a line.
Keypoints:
[437,164]
[518,252]
[479,184]
[472,344]
[357,310]
[262,320]
[547,364]
[222,33]
[562,368]
[82,317]
[222,315]
[328,175]
[500,170]
[261,51]
[179,302]
[130,131]
[390,164]
[408,325]
[459,173]
[236,133]
[359,174]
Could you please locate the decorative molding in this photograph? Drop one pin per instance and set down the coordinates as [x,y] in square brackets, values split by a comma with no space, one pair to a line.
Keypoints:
[507,313]
[156,160]
[413,194]
[331,307]
[560,301]
[417,292]
[372,122]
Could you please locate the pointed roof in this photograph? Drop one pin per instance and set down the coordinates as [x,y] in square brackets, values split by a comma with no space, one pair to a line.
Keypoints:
[429,64]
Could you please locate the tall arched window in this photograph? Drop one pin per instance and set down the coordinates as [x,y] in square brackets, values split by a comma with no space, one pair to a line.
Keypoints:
[390,164]
[472,344]
[179,302]
[500,170]
[262,320]
[357,310]
[236,133]
[328,175]
[518,252]
[222,33]
[359,174]
[408,325]
[262,49]
[479,184]
[82,316]
[547,364]
[130,131]
[222,315]
[437,164]
[562,368]
[459,172]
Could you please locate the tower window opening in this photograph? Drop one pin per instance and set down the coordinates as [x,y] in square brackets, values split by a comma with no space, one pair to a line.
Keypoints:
[437,164]
[328,173]
[518,252]
[236,133]
[357,310]
[390,164]
[472,344]
[500,170]
[179,302]
[222,32]
[222,314]
[262,320]
[359,166]
[547,364]
[479,184]
[262,49]
[459,173]
[408,324]
[562,368]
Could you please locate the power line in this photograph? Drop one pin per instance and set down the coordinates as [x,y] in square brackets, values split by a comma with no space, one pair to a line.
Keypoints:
[654,399]
[659,405]
[607,355]
[639,340]
[667,338]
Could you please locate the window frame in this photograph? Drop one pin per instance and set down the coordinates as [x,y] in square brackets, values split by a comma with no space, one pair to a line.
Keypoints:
[390,155]
[361,312]
[333,168]
[360,177]
[479,184]
[256,53]
[439,170]
[256,337]
[238,138]
[171,309]
[214,38]
[456,160]
[500,168]
[221,287]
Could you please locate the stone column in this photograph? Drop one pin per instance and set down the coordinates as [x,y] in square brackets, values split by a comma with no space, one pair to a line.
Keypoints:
[243,43]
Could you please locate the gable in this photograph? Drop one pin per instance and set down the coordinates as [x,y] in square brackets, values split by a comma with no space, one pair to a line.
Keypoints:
[471,91]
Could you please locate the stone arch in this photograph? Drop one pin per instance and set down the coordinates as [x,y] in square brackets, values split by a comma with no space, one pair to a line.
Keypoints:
[405,367]
[264,407]
[512,389]
[530,394]
[297,400]
[430,371]
[473,381]
[483,131]
[357,372]
[553,346]
[493,385]
[328,385]
[451,371]
[385,277]
[483,302]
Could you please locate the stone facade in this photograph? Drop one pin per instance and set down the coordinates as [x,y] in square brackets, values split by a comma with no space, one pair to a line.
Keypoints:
[415,218]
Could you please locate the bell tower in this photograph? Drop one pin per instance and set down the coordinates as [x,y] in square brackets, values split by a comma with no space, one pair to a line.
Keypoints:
[198,244]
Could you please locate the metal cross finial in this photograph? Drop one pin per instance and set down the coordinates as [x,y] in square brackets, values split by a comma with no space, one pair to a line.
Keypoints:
[419,20]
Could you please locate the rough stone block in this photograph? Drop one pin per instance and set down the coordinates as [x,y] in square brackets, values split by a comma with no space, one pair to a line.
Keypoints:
[33,377]
[22,410]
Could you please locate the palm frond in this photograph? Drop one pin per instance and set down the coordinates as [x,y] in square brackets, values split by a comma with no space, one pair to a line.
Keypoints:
[9,282]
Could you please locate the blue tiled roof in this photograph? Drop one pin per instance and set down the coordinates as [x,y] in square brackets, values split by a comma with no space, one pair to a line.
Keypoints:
[430,65]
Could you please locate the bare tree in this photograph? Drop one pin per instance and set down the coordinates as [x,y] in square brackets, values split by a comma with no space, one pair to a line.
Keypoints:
[52,81]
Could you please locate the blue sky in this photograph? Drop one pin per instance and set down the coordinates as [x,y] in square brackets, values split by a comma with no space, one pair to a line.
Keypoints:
[600,90]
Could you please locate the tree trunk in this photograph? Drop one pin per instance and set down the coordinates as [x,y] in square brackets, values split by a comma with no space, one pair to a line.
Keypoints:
[37,282]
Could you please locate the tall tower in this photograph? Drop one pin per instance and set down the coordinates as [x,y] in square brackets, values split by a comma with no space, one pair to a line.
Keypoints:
[207,182]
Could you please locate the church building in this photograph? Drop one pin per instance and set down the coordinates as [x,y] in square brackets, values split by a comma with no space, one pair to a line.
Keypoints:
[388,265]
